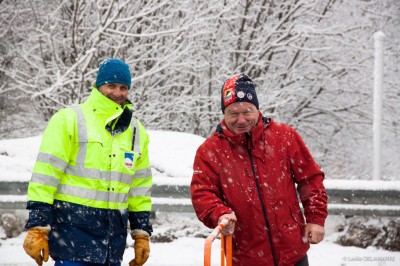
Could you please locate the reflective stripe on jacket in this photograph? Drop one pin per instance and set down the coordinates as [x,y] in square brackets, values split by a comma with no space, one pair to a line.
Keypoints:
[93,168]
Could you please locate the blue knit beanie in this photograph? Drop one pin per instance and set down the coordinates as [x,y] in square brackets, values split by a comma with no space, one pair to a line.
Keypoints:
[113,70]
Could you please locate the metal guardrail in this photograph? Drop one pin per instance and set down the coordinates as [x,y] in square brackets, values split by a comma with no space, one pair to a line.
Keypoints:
[176,198]
[364,202]
[166,198]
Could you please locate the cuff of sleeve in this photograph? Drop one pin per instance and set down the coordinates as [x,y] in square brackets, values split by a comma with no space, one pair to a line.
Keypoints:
[47,227]
[138,232]
[39,214]
[218,213]
[140,221]
[317,220]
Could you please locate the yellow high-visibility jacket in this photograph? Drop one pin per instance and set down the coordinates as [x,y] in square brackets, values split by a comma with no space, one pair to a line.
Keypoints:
[92,174]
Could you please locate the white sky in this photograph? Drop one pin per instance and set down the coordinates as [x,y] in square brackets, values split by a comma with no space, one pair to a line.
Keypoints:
[171,154]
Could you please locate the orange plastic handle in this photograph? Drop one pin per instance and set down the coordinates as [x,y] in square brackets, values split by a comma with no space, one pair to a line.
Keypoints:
[226,250]
[226,243]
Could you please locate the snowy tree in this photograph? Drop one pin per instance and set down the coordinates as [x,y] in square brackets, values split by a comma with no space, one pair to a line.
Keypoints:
[310,59]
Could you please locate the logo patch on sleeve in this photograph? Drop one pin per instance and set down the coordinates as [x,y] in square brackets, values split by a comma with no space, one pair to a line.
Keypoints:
[128,159]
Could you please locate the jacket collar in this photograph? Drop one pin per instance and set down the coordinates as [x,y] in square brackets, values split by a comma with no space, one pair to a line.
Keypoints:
[254,140]
[105,108]
[226,132]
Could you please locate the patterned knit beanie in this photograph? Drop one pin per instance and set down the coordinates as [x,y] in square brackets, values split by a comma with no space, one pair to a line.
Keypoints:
[239,88]
[113,70]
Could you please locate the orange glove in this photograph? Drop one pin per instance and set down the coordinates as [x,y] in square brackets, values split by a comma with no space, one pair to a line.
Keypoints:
[142,250]
[36,244]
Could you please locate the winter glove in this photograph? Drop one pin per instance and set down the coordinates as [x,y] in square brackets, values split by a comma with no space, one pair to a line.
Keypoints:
[36,244]
[142,250]
[230,227]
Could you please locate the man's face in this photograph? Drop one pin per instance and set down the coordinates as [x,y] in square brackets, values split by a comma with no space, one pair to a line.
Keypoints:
[241,117]
[116,92]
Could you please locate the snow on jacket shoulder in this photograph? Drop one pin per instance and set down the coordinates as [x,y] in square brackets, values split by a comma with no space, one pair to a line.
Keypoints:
[255,175]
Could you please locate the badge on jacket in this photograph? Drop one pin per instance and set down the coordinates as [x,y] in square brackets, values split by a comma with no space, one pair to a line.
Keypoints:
[128,159]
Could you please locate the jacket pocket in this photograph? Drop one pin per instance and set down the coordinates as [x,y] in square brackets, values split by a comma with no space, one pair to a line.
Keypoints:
[91,154]
[297,215]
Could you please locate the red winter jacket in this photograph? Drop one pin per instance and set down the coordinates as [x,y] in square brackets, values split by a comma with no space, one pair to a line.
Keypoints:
[254,174]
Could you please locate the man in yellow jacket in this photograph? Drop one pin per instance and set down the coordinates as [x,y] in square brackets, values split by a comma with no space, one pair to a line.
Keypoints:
[91,177]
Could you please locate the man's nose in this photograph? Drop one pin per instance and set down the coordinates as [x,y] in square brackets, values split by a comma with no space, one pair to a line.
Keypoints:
[241,118]
[117,92]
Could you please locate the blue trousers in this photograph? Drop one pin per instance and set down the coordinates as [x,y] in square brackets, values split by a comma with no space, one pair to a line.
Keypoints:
[75,263]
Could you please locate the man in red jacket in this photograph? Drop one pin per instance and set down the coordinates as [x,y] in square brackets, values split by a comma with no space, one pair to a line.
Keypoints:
[250,170]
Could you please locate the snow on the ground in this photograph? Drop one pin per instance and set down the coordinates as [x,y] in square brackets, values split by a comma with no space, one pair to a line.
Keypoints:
[171,155]
[188,250]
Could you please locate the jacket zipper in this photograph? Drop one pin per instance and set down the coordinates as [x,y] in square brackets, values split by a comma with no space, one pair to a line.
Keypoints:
[261,201]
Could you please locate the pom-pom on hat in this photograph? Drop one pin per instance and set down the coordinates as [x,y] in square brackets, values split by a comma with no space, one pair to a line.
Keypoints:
[113,70]
[239,88]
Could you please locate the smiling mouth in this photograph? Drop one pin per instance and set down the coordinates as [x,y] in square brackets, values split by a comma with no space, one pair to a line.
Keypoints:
[243,126]
[117,100]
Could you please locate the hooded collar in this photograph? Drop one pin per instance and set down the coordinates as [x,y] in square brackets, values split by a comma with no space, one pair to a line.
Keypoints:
[105,108]
[254,140]
[240,138]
